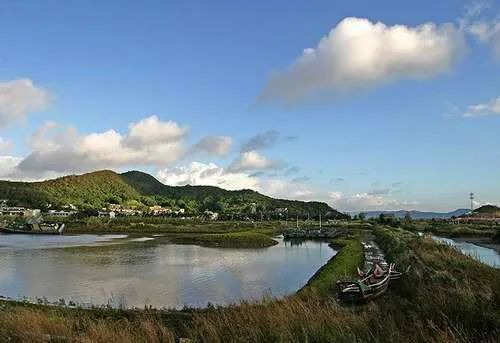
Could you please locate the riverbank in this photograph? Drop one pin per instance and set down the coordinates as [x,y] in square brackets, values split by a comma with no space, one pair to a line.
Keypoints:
[446,297]
[341,266]
[453,230]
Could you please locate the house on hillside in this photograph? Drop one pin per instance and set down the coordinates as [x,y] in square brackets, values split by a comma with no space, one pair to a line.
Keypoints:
[12,211]
[106,214]
[211,215]
[159,211]
[62,213]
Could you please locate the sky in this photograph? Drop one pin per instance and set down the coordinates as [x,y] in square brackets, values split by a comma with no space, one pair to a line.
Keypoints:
[364,105]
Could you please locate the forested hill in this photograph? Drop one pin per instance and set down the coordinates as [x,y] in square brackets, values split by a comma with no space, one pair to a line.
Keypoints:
[487,209]
[137,189]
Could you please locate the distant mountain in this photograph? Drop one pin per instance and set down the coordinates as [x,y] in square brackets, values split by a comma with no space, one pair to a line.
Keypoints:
[137,189]
[418,214]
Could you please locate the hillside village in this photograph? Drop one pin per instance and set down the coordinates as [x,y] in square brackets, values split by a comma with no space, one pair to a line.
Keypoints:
[108,194]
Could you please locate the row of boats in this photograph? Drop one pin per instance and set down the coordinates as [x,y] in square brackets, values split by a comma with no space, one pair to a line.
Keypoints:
[374,278]
[312,233]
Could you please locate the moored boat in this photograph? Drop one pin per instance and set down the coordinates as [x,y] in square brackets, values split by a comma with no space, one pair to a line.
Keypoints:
[395,275]
[367,288]
[34,229]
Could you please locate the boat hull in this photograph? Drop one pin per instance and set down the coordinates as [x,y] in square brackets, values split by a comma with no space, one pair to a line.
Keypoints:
[31,232]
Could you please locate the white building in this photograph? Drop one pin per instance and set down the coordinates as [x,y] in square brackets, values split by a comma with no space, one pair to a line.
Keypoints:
[105,214]
[61,213]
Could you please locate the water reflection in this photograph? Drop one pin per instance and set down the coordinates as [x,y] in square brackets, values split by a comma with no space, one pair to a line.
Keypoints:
[158,275]
[483,254]
[53,241]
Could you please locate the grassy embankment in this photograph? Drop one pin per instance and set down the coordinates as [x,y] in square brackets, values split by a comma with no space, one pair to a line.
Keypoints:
[447,297]
[161,225]
[224,234]
[341,266]
[244,239]
[452,297]
[447,229]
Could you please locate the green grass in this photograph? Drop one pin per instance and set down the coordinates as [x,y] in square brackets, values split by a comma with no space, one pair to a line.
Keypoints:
[341,266]
[451,230]
[166,225]
[453,292]
[245,239]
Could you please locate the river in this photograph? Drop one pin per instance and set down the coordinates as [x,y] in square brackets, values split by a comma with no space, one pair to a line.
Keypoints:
[134,272]
[486,255]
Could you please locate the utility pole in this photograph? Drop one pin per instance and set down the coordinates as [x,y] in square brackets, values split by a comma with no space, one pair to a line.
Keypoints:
[297,221]
[471,197]
[320,220]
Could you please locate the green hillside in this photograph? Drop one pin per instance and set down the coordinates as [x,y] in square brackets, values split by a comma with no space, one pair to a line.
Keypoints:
[488,209]
[137,189]
[92,190]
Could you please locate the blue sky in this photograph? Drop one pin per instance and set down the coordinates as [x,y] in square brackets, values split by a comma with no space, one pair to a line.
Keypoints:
[415,129]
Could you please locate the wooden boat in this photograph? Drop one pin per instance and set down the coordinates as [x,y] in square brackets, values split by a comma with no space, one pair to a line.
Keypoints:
[34,229]
[366,288]
[395,275]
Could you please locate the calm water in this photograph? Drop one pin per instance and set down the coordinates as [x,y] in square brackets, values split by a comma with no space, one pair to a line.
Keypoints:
[483,254]
[139,273]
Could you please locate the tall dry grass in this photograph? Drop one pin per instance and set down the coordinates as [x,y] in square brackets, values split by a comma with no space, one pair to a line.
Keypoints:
[19,324]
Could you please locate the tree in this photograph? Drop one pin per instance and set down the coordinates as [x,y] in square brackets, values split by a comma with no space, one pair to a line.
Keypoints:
[362,216]
[407,219]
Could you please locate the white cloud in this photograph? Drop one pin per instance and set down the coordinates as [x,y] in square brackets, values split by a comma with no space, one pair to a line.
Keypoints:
[5,144]
[200,174]
[215,145]
[8,165]
[285,190]
[252,160]
[335,196]
[358,53]
[491,107]
[210,174]
[367,201]
[62,149]
[152,131]
[18,98]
